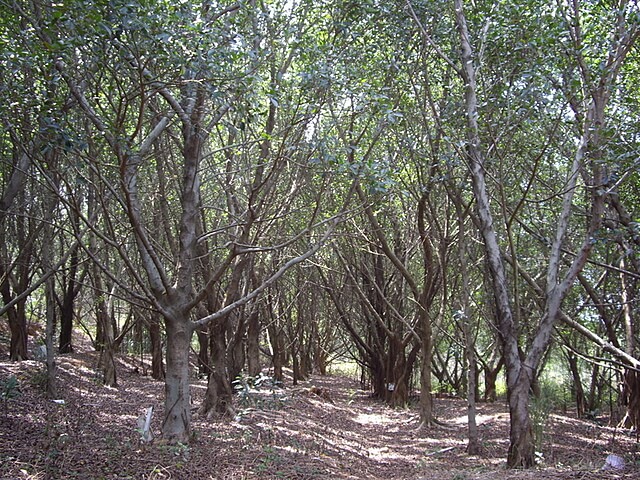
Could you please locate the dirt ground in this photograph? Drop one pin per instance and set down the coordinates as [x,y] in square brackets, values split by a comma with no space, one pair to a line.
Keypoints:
[278,433]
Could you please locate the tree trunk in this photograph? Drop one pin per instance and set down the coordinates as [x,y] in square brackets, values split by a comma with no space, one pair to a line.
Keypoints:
[12,189]
[52,390]
[631,399]
[490,379]
[203,351]
[253,342]
[235,353]
[594,389]
[276,341]
[65,344]
[67,308]
[426,400]
[103,323]
[18,327]
[473,447]
[17,321]
[219,395]
[177,412]
[521,440]
[155,337]
[578,390]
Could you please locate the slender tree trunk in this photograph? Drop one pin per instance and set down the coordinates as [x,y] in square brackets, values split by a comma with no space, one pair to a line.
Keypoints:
[50,298]
[235,352]
[65,343]
[52,388]
[426,399]
[67,308]
[578,389]
[253,342]
[594,388]
[276,342]
[473,447]
[204,367]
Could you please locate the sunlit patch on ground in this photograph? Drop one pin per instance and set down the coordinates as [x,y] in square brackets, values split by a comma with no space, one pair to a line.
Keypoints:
[372,419]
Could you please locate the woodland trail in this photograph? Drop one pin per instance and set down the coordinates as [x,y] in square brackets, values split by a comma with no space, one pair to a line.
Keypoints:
[278,433]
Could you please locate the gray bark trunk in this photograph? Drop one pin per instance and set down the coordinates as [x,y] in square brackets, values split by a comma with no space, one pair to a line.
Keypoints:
[177,414]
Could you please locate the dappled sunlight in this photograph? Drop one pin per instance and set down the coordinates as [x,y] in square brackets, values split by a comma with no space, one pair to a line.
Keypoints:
[347,435]
[372,418]
[480,419]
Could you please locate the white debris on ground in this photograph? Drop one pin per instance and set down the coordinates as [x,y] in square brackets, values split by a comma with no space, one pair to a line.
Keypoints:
[613,462]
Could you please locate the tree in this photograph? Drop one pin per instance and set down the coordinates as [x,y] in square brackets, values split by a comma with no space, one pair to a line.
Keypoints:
[588,156]
[183,106]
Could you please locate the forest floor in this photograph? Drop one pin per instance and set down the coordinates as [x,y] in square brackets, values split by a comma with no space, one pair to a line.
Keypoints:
[279,433]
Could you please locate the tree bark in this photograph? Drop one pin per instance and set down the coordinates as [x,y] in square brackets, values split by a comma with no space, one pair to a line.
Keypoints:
[155,337]
[253,342]
[426,399]
[521,440]
[578,389]
[17,325]
[65,340]
[177,416]
[521,449]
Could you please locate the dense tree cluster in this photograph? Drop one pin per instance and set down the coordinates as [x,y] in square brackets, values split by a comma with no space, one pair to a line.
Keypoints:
[438,191]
